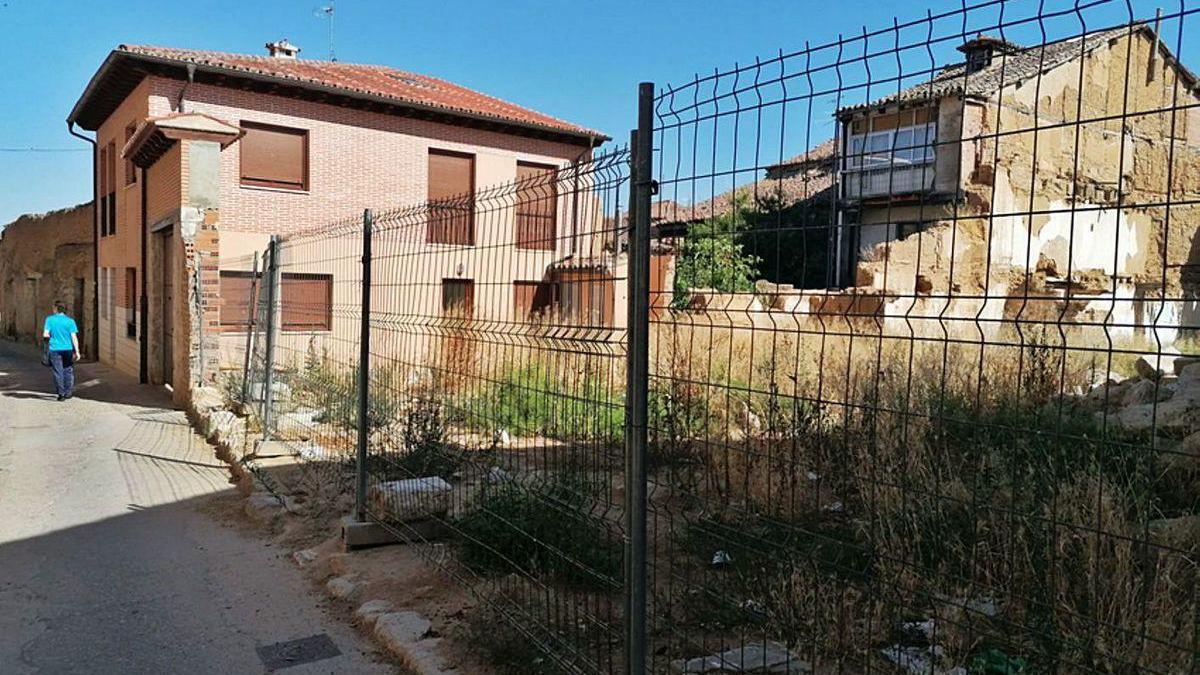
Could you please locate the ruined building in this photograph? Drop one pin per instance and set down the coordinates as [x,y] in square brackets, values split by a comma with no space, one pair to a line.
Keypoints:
[1051,182]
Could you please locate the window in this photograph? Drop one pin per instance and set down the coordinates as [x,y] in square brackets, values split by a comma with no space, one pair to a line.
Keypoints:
[532,299]
[537,200]
[307,301]
[903,138]
[274,156]
[235,299]
[451,195]
[130,169]
[131,302]
[458,298]
[110,183]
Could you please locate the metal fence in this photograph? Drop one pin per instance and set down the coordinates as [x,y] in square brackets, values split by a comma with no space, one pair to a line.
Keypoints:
[876,356]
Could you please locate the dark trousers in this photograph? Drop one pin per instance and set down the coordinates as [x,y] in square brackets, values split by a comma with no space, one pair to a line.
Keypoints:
[63,365]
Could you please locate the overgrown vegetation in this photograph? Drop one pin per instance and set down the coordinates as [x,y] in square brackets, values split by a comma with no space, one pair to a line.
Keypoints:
[542,528]
[712,255]
[543,398]
[852,484]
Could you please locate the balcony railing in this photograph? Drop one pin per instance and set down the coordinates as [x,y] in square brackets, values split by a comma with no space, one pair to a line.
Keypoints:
[887,180]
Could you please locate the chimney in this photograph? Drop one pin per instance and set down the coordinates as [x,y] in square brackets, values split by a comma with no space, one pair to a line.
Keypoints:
[282,49]
[982,48]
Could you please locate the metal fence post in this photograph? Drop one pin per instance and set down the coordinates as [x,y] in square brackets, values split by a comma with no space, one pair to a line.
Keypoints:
[637,371]
[364,378]
[251,311]
[272,279]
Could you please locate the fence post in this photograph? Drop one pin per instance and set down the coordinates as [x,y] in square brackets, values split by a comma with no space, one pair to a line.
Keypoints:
[272,279]
[637,371]
[251,311]
[364,378]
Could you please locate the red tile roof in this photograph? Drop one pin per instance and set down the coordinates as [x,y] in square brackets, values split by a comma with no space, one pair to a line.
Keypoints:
[403,87]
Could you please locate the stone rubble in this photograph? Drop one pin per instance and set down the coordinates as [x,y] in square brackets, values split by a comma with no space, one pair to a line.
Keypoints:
[759,658]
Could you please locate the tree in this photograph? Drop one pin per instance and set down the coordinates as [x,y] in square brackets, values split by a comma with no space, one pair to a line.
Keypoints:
[712,255]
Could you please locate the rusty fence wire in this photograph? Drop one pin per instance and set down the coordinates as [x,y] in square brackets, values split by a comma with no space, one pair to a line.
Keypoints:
[874,356]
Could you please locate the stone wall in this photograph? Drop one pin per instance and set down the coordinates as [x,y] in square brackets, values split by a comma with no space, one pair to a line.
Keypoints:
[43,258]
[1071,193]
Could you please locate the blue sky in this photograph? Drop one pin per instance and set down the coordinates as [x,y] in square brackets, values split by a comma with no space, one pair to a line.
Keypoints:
[576,59]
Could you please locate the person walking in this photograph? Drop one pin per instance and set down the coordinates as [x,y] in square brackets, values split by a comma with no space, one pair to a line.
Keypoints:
[63,349]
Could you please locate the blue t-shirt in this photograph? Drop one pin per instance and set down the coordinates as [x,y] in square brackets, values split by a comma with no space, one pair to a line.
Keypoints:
[60,327]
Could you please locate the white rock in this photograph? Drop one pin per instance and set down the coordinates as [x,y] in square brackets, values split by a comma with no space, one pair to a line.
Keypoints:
[304,557]
[721,559]
[370,611]
[342,588]
[1182,362]
[412,499]
[312,451]
[1145,391]
[765,658]
[398,630]
[263,507]
[920,660]
[497,476]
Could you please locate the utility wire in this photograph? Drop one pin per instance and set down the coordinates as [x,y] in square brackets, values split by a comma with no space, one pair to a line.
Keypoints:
[45,150]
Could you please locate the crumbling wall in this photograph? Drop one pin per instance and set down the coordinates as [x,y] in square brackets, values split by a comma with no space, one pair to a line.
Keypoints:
[43,258]
[1074,175]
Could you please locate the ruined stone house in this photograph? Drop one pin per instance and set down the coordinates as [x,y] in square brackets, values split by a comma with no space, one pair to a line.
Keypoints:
[1055,181]
[43,258]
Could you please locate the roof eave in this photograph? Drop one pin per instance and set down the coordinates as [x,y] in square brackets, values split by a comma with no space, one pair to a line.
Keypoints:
[593,139]
[90,89]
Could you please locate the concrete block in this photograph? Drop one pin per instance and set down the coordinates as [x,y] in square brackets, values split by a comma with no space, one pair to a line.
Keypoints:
[357,534]
[412,499]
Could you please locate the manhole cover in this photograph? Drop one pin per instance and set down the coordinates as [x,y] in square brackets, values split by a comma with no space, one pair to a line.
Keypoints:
[295,652]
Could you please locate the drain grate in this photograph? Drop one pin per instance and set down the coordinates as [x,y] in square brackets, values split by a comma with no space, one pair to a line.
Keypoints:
[295,652]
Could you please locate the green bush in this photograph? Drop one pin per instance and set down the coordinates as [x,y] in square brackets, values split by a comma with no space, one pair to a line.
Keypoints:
[712,255]
[533,400]
[543,529]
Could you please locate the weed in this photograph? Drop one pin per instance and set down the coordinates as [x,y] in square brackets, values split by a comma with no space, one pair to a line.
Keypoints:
[541,529]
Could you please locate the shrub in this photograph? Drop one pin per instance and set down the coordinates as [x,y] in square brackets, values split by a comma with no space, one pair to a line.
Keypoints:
[712,255]
[541,529]
[535,400]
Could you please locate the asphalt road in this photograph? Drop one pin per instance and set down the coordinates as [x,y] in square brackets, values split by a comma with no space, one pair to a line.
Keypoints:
[108,564]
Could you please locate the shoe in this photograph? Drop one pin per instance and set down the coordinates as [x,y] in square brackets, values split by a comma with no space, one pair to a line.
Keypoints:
[61,397]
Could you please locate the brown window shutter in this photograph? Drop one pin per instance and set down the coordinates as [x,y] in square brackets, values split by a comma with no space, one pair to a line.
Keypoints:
[451,195]
[537,206]
[307,301]
[235,299]
[111,184]
[130,169]
[532,299]
[274,156]
[458,298]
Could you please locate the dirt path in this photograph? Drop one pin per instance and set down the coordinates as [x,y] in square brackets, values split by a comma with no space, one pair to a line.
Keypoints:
[108,563]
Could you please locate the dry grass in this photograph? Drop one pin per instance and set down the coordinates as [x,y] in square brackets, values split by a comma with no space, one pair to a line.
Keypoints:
[864,480]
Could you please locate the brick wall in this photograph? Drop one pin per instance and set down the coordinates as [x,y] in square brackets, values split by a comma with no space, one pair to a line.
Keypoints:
[357,159]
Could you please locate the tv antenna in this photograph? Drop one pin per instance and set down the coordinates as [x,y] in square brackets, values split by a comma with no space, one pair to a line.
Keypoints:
[326,12]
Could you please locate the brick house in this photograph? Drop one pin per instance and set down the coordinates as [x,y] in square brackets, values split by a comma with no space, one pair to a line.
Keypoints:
[1044,161]
[201,156]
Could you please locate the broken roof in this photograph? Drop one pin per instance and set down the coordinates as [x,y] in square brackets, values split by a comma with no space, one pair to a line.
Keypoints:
[1010,68]
[355,85]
